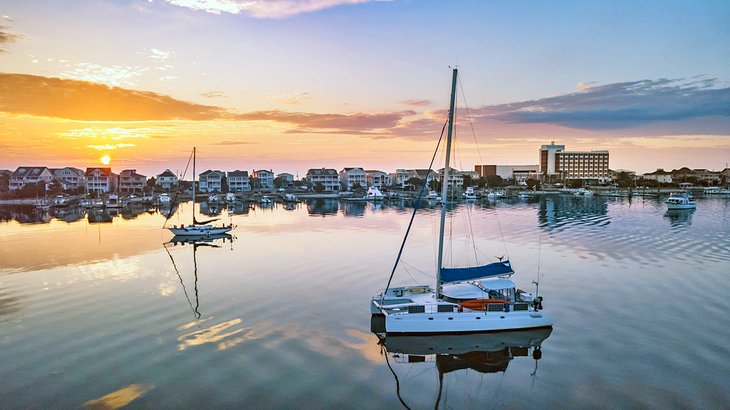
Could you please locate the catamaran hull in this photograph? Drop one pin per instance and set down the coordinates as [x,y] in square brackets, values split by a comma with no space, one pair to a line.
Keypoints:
[461,322]
[199,232]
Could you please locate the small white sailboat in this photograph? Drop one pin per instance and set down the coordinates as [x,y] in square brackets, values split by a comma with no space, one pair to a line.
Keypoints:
[199,228]
[464,300]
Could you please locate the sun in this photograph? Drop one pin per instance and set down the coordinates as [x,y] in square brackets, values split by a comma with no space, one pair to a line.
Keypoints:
[106,159]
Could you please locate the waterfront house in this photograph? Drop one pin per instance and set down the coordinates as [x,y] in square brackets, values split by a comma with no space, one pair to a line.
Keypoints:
[327,177]
[286,178]
[456,177]
[402,176]
[660,175]
[100,180]
[353,177]
[5,179]
[264,179]
[211,181]
[238,181]
[29,175]
[378,179]
[130,181]
[712,177]
[166,180]
[69,177]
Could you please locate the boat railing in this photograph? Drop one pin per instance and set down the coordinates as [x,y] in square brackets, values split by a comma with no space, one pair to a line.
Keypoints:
[431,308]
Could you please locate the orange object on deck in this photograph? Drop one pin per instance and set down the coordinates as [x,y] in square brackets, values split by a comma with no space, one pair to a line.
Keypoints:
[480,304]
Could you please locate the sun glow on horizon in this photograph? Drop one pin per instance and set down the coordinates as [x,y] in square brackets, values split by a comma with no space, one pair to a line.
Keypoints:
[106,159]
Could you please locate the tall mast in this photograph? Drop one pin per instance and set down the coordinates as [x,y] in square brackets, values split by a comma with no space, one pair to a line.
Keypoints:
[445,184]
[193,186]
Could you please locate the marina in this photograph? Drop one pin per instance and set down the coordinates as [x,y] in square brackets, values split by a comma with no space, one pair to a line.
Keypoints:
[108,294]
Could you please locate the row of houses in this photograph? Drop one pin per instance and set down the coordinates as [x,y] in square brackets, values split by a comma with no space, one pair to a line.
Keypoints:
[94,179]
[685,174]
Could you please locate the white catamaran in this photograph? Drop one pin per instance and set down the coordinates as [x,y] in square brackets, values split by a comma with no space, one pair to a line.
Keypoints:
[465,300]
[199,228]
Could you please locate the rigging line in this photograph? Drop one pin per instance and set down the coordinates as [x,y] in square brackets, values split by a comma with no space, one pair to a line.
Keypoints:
[177,193]
[468,116]
[415,209]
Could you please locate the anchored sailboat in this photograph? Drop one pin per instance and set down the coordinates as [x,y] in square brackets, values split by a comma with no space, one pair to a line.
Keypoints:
[465,300]
[199,228]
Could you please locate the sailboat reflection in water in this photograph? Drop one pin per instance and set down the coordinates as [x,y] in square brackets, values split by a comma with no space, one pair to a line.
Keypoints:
[195,242]
[483,352]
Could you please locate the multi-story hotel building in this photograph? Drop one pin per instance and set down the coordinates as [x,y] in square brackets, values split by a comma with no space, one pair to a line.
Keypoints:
[554,160]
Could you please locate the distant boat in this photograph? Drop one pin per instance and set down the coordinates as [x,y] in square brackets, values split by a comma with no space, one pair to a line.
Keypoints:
[290,198]
[230,197]
[374,194]
[470,193]
[164,199]
[679,202]
[475,299]
[113,201]
[433,195]
[198,228]
[265,201]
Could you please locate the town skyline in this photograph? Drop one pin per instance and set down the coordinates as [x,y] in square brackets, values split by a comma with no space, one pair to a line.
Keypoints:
[294,85]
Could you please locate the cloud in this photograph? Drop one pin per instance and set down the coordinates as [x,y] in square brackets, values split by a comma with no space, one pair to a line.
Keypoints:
[294,99]
[272,9]
[227,143]
[109,147]
[116,75]
[7,36]
[417,103]
[161,55]
[87,101]
[620,105]
[352,123]
[214,94]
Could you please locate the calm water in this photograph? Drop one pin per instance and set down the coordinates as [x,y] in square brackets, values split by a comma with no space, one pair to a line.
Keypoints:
[102,313]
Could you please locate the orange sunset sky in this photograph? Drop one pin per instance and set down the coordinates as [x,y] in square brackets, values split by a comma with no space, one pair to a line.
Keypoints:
[290,85]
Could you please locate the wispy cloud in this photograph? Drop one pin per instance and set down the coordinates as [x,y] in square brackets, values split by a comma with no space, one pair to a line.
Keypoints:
[160,55]
[293,99]
[351,123]
[214,94]
[109,147]
[117,75]
[272,9]
[7,35]
[417,103]
[234,143]
[620,105]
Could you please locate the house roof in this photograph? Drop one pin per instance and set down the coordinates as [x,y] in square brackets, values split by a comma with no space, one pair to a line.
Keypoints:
[263,170]
[238,173]
[322,171]
[659,172]
[208,172]
[131,173]
[105,171]
[166,173]
[28,171]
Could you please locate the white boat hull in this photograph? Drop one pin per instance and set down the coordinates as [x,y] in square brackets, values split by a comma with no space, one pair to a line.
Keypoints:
[200,230]
[691,205]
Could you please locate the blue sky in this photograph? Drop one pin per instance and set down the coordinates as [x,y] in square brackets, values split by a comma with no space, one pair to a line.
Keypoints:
[647,80]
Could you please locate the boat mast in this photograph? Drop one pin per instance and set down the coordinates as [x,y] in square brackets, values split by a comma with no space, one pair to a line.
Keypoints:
[193,186]
[445,184]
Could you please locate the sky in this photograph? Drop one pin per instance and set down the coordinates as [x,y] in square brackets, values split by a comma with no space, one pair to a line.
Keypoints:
[289,85]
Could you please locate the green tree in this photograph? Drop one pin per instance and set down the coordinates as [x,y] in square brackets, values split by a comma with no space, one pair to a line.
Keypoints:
[318,187]
[533,183]
[466,181]
[414,182]
[494,180]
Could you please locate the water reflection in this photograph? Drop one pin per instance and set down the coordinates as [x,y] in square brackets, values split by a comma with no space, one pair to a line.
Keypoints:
[484,353]
[679,217]
[195,242]
[556,212]
[323,206]
[24,214]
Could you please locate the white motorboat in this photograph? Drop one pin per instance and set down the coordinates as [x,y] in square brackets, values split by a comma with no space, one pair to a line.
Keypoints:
[374,194]
[164,199]
[495,194]
[679,202]
[433,195]
[198,228]
[470,193]
[113,201]
[288,197]
[475,299]
[230,197]
[213,199]
[266,201]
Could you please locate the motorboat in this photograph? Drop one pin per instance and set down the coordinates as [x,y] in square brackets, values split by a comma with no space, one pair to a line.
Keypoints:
[470,193]
[675,202]
[374,194]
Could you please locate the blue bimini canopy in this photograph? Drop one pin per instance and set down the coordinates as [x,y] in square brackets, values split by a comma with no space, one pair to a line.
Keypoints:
[484,271]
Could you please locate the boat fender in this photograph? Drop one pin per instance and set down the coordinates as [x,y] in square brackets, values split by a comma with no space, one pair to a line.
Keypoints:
[537,353]
[537,303]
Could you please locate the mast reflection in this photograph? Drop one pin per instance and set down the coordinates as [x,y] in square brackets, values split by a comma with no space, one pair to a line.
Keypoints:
[196,242]
[482,352]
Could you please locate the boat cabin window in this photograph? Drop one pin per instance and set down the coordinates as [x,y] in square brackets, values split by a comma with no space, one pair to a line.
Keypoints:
[506,294]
